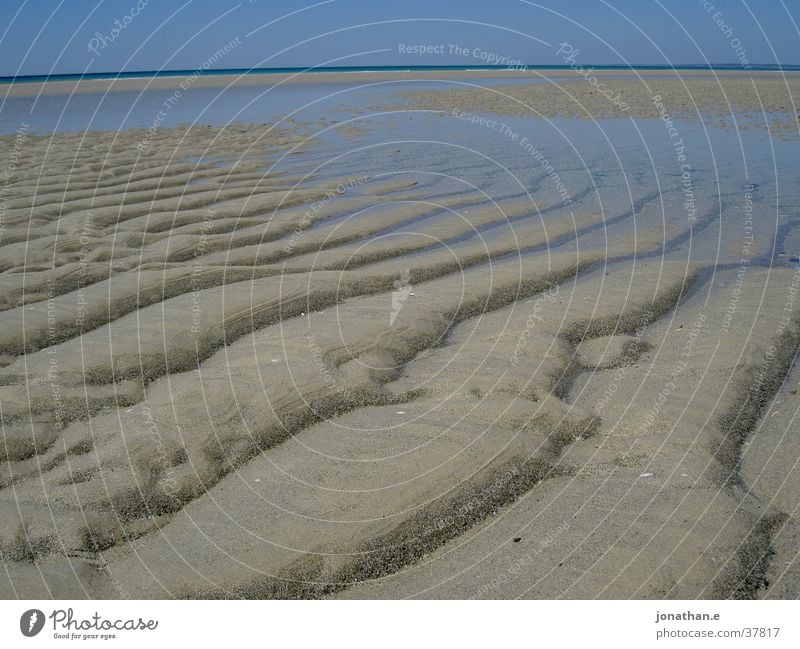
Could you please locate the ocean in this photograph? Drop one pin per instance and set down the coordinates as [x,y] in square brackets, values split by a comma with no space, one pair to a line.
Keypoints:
[138,74]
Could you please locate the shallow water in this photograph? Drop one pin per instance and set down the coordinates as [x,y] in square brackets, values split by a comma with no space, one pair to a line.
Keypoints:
[602,164]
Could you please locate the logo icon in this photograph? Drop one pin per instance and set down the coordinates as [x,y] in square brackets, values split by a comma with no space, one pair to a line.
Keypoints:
[31,622]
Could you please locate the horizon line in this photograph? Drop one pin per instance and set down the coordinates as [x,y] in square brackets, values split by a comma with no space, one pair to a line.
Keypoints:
[69,76]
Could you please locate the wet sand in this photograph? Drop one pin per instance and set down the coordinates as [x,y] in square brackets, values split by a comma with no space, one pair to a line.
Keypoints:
[767,101]
[229,371]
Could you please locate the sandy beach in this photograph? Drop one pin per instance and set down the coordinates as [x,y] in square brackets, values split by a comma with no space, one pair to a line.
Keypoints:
[476,335]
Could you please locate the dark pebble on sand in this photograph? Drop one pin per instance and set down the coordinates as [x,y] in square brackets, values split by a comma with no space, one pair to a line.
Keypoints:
[517,539]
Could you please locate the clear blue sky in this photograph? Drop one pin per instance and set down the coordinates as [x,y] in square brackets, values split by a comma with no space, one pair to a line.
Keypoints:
[53,36]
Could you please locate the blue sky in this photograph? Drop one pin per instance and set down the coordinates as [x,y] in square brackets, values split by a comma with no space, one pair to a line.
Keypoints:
[54,36]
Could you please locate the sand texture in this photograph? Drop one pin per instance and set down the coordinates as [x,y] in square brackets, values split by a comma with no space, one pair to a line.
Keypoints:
[227,370]
[767,102]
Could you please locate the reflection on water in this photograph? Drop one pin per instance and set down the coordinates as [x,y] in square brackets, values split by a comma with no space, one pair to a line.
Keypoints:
[716,191]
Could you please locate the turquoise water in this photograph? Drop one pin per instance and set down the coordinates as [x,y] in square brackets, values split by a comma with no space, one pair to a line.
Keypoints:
[374,68]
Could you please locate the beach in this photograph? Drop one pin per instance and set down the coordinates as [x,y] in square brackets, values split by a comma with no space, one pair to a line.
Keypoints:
[452,335]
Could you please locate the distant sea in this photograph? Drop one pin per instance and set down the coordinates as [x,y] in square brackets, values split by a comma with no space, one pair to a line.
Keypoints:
[375,68]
